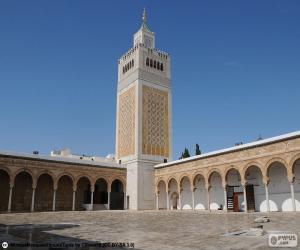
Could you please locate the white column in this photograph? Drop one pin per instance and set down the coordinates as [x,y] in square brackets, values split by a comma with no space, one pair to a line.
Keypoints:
[208,199]
[179,200]
[9,199]
[293,196]
[32,200]
[225,199]
[193,199]
[54,200]
[125,207]
[245,198]
[168,201]
[157,206]
[108,200]
[92,200]
[73,203]
[267,197]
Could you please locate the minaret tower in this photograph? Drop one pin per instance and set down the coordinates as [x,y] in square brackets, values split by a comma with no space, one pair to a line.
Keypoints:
[144,115]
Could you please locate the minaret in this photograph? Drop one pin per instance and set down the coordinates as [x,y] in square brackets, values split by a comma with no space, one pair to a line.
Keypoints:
[144,115]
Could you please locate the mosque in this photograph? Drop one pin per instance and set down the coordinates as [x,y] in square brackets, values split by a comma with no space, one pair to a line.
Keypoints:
[261,176]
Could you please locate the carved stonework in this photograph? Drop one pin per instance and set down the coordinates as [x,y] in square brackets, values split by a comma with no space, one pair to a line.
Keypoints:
[155,138]
[126,123]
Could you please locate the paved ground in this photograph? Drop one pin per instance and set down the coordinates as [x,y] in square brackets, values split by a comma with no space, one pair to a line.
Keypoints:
[147,230]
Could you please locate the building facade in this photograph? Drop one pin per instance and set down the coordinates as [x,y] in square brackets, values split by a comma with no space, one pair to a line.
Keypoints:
[260,176]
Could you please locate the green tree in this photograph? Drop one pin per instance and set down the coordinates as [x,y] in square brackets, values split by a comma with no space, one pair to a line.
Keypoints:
[198,151]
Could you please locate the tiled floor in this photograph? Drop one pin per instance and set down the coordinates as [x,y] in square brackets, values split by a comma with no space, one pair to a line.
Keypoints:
[147,230]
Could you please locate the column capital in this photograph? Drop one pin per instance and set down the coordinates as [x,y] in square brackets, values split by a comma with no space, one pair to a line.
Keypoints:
[291,177]
[266,180]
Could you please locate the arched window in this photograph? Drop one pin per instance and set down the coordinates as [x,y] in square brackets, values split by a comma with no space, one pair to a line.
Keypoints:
[154,64]
[151,63]
[147,61]
[162,67]
[158,65]
[132,63]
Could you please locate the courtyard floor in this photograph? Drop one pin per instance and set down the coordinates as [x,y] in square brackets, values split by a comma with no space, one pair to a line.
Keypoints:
[146,230]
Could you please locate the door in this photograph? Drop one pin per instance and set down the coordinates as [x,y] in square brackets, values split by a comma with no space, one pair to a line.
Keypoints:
[236,202]
[250,198]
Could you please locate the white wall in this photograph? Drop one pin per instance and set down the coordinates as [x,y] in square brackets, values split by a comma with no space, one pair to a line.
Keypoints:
[162,198]
[200,194]
[216,192]
[186,194]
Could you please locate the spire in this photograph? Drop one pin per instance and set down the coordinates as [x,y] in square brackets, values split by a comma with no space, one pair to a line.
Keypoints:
[144,18]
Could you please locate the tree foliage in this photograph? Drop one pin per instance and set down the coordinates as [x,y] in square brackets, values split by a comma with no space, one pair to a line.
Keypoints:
[198,151]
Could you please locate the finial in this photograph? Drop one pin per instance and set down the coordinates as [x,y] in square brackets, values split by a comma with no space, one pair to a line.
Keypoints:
[144,18]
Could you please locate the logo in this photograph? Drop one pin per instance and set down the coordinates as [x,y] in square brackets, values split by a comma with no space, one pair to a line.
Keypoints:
[283,240]
[4,244]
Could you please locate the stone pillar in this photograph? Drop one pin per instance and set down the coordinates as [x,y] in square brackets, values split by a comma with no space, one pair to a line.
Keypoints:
[179,200]
[193,199]
[267,197]
[225,198]
[92,199]
[73,202]
[125,201]
[168,201]
[293,196]
[245,198]
[9,199]
[208,198]
[32,199]
[54,200]
[108,200]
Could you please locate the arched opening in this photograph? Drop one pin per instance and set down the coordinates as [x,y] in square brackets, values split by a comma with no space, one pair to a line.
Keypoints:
[256,195]
[158,65]
[216,192]
[83,194]
[151,63]
[154,64]
[117,195]
[147,61]
[161,67]
[173,189]
[200,192]
[4,190]
[235,192]
[44,193]
[64,193]
[132,63]
[162,198]
[100,195]
[186,193]
[22,192]
[279,188]
[296,171]
[174,201]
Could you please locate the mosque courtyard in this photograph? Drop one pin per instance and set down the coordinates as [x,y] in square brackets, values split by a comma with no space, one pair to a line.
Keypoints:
[142,229]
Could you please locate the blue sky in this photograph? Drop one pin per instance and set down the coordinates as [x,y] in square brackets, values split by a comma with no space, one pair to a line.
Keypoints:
[235,71]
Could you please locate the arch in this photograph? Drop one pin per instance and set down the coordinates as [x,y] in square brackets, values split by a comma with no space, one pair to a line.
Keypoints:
[216,191]
[158,65]
[228,169]
[185,193]
[45,172]
[158,183]
[132,63]
[210,172]
[274,160]
[61,175]
[27,171]
[151,63]
[4,189]
[161,67]
[7,170]
[170,179]
[44,192]
[113,179]
[196,174]
[154,64]
[250,164]
[279,186]
[117,195]
[64,193]
[174,197]
[81,176]
[293,161]
[147,61]
[296,171]
[162,194]
[183,176]
[22,191]
[101,192]
[83,192]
